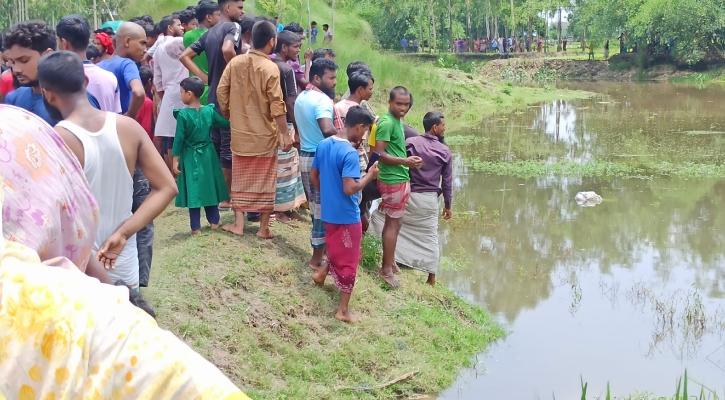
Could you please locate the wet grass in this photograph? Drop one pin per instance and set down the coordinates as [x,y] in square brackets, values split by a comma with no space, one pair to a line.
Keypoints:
[249,307]
[539,169]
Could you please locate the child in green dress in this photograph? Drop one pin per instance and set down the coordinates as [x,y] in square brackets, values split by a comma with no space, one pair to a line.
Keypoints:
[199,173]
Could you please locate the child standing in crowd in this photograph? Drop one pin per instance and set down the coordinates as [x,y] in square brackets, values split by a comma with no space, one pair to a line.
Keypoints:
[336,174]
[200,179]
[145,116]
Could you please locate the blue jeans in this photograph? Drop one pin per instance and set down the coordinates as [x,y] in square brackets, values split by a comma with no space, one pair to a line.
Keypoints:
[144,237]
[212,215]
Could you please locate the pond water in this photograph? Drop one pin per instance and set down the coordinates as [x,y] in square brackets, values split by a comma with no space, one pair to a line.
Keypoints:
[628,292]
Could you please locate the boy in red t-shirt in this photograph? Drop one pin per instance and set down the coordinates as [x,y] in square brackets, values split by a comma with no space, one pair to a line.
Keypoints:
[145,116]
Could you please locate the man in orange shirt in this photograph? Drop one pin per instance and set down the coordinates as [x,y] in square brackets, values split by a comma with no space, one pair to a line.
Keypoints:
[257,113]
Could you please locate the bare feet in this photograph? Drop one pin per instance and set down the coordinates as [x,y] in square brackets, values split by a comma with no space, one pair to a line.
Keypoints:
[265,234]
[396,269]
[320,276]
[348,317]
[390,279]
[215,226]
[431,279]
[233,228]
[283,218]
[296,216]
[317,266]
[196,232]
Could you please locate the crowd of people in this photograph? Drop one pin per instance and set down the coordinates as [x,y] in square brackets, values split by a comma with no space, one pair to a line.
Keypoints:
[215,108]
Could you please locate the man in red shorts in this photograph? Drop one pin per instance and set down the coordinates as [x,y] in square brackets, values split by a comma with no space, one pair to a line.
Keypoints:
[394,180]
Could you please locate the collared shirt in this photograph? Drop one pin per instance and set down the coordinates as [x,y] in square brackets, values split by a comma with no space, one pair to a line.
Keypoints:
[254,80]
[437,164]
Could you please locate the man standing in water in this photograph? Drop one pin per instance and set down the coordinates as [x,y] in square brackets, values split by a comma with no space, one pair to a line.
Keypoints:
[221,43]
[108,159]
[394,179]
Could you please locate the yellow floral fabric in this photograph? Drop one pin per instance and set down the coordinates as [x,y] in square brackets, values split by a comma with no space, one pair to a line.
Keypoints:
[64,335]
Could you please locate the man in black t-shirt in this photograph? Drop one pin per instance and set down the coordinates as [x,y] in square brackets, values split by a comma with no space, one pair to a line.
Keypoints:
[221,43]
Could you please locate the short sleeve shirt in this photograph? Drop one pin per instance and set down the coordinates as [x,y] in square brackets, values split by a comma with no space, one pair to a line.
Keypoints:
[286,79]
[25,98]
[125,71]
[390,130]
[310,106]
[337,159]
[6,82]
[211,43]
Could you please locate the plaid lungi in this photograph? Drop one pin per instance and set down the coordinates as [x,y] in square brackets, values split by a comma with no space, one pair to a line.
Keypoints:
[254,182]
[317,236]
[290,192]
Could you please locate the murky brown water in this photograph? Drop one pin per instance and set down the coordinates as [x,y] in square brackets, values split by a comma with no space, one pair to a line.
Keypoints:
[628,292]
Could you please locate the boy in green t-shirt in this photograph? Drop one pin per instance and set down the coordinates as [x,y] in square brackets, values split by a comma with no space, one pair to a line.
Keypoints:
[394,180]
[207,14]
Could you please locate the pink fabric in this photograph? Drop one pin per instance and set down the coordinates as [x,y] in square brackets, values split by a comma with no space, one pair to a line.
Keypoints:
[394,197]
[48,204]
[343,253]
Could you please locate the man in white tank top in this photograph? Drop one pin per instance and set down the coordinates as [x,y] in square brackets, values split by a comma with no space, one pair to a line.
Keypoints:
[108,159]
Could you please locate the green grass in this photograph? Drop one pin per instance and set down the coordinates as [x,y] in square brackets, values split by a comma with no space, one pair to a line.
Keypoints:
[538,169]
[249,306]
[681,392]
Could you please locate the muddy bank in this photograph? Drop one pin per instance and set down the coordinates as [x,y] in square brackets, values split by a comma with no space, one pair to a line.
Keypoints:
[580,70]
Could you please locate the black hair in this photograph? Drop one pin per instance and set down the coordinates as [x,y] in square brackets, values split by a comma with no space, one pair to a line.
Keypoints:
[223,2]
[62,72]
[75,29]
[137,299]
[313,23]
[262,33]
[33,34]
[358,66]
[186,16]
[286,38]
[147,19]
[321,53]
[411,100]
[359,80]
[92,52]
[166,22]
[1,44]
[137,20]
[247,23]
[194,85]
[152,31]
[432,119]
[145,74]
[320,66]
[294,27]
[205,8]
[325,26]
[398,90]
[357,115]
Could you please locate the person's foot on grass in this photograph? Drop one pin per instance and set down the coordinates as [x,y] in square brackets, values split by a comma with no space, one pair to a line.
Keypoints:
[296,216]
[396,269]
[348,317]
[215,226]
[431,279]
[320,276]
[196,232]
[390,279]
[233,228]
[265,233]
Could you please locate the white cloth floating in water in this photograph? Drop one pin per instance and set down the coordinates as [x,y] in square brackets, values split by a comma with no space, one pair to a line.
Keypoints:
[587,199]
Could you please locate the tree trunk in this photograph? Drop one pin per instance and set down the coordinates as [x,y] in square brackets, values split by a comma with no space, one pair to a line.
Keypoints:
[488,25]
[435,26]
[452,45]
[468,24]
[281,7]
[531,39]
[558,33]
[513,22]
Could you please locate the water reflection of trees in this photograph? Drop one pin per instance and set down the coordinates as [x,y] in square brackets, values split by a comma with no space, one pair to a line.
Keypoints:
[640,123]
[541,229]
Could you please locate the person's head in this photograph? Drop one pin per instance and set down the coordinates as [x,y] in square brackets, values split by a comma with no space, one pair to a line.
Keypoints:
[188,19]
[26,42]
[323,75]
[61,77]
[288,45]
[361,85]
[104,43]
[191,89]
[323,53]
[246,25]
[137,299]
[147,78]
[313,24]
[152,34]
[264,36]
[131,41]
[74,33]
[207,13]
[295,28]
[325,27]
[93,54]
[434,123]
[147,19]
[357,66]
[232,9]
[171,26]
[399,102]
[358,121]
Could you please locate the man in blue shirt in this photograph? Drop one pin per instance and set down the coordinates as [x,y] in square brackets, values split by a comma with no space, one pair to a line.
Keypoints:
[130,49]
[336,174]
[24,61]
